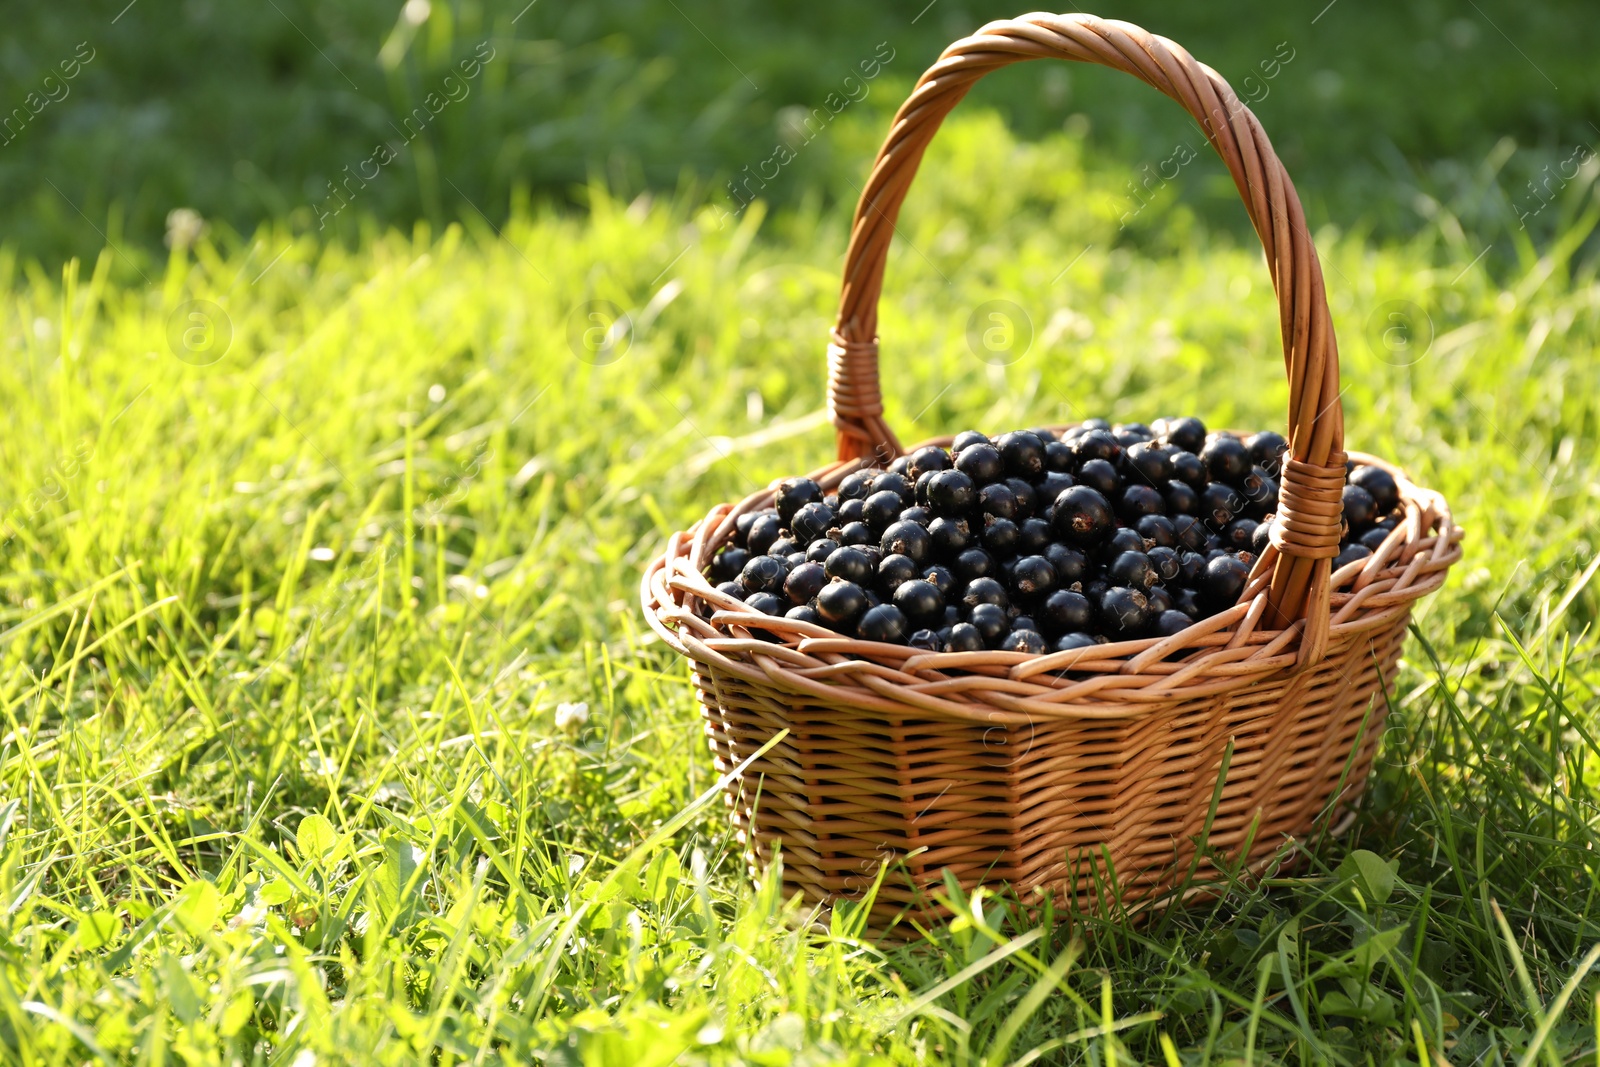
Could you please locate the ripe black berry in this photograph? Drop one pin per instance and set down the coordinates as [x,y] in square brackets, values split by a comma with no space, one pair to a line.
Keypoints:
[849,564]
[1137,501]
[856,533]
[804,613]
[1171,622]
[982,463]
[985,591]
[1160,599]
[895,570]
[1380,485]
[1082,517]
[991,624]
[1374,538]
[1261,538]
[1032,576]
[1023,453]
[741,527]
[1239,535]
[881,509]
[804,582]
[1157,530]
[725,566]
[1220,504]
[1266,451]
[998,500]
[926,640]
[850,511]
[1068,642]
[1027,497]
[1035,536]
[763,531]
[1058,456]
[1191,532]
[941,578]
[812,522]
[965,637]
[1096,444]
[1190,469]
[921,601]
[1165,561]
[733,589]
[929,458]
[1070,564]
[840,603]
[857,486]
[1064,610]
[950,537]
[1132,569]
[1149,463]
[968,439]
[1261,490]
[951,493]
[785,546]
[1001,536]
[1222,582]
[1029,641]
[1226,458]
[1124,612]
[908,538]
[972,564]
[1101,476]
[764,574]
[794,494]
[1187,433]
[1350,554]
[920,516]
[883,623]
[767,604]
[1052,485]
[1124,540]
[893,481]
[1359,509]
[1188,602]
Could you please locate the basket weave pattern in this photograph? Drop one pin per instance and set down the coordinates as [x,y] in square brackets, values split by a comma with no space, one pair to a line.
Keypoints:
[1052,772]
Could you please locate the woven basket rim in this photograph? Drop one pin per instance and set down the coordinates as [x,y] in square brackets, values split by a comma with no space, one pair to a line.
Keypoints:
[1113,680]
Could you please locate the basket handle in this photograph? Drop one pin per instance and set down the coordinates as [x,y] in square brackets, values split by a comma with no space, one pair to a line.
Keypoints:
[1306,535]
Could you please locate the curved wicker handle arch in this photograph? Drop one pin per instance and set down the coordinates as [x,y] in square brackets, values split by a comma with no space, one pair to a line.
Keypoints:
[1306,535]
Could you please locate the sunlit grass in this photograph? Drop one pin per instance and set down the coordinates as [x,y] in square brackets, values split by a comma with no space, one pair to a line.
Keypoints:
[286,634]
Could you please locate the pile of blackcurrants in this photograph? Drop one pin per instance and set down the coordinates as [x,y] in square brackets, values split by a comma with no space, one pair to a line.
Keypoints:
[1032,542]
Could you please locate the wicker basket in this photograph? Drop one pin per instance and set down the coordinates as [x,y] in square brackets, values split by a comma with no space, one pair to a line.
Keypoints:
[1100,765]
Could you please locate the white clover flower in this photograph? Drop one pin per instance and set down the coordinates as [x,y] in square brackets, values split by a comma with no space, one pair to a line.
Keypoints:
[571,717]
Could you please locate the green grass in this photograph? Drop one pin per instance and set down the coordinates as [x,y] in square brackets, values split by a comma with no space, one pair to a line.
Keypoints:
[285,636]
[247,111]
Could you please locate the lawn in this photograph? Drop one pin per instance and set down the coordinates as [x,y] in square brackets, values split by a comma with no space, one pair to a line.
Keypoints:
[333,733]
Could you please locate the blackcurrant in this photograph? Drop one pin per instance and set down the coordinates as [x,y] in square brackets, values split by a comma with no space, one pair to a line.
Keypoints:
[1172,621]
[1101,476]
[767,604]
[985,591]
[1380,485]
[1350,553]
[764,574]
[1191,532]
[1222,582]
[1096,444]
[840,603]
[1266,451]
[1124,613]
[733,589]
[811,522]
[1261,490]
[968,439]
[1001,536]
[1058,457]
[804,582]
[1023,453]
[1374,538]
[856,533]
[1158,531]
[1029,641]
[1239,535]
[804,613]
[1187,433]
[901,466]
[881,509]
[883,623]
[741,527]
[908,538]
[1359,509]
[950,537]
[1052,485]
[1082,517]
[1149,463]
[1134,570]
[1188,602]
[1070,564]
[1261,538]
[972,564]
[1064,610]
[1124,540]
[850,511]
[1137,501]
[982,463]
[921,601]
[784,546]
[1180,498]
[1035,536]
[726,565]
[991,623]
[1166,562]
[1160,599]
[1032,576]
[941,578]
[951,493]
[1027,497]
[895,570]
[919,515]
[858,485]
[763,532]
[1226,458]
[1189,469]
[998,500]
[1220,504]
[794,494]
[929,458]
[1068,642]
[965,637]
[850,564]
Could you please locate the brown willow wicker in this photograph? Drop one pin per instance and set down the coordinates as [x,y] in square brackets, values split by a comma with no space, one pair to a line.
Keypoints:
[1052,772]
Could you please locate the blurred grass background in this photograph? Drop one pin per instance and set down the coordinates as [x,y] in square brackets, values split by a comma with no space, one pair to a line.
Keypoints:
[248,111]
